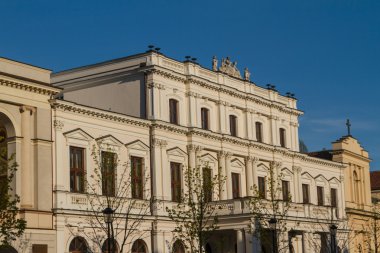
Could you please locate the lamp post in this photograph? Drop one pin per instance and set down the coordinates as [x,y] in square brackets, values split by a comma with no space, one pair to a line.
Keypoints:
[333,230]
[273,226]
[108,218]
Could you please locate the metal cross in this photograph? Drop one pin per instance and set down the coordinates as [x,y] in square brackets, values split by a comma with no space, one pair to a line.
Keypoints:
[348,124]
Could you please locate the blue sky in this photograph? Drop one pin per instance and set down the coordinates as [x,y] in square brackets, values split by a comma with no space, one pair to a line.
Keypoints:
[327,52]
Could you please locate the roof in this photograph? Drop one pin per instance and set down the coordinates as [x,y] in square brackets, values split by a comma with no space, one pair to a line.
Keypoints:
[324,154]
[375,180]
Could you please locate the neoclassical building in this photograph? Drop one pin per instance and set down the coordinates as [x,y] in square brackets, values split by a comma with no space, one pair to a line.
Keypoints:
[157,116]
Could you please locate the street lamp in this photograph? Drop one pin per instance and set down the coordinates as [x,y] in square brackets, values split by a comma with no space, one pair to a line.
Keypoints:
[273,226]
[333,230]
[108,219]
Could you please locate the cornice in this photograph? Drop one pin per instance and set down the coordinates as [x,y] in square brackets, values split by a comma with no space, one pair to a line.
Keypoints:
[350,153]
[97,113]
[223,88]
[29,86]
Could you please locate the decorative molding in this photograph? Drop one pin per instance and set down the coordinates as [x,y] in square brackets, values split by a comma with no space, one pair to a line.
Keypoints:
[159,142]
[58,124]
[297,169]
[35,88]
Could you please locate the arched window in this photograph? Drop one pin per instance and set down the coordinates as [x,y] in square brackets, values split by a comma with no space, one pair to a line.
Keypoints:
[233,125]
[78,245]
[3,156]
[114,247]
[259,131]
[178,247]
[139,246]
[173,111]
[282,137]
[205,114]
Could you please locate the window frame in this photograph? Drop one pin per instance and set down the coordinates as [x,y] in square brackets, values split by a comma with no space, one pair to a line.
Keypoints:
[176,183]
[207,186]
[233,125]
[282,132]
[137,179]
[235,180]
[259,131]
[320,196]
[113,175]
[307,193]
[334,197]
[205,118]
[285,188]
[173,111]
[79,170]
[261,192]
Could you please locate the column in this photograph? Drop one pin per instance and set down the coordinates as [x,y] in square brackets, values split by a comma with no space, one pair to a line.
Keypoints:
[255,161]
[240,241]
[248,125]
[248,241]
[157,169]
[60,165]
[27,175]
[192,109]
[274,130]
[191,153]
[297,194]
[228,175]
[249,175]
[222,170]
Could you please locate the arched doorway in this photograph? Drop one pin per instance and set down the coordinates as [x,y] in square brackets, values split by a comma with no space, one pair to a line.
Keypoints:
[78,245]
[139,246]
[114,246]
[178,247]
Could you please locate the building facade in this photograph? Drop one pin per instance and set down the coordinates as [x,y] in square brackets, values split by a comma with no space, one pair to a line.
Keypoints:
[159,116]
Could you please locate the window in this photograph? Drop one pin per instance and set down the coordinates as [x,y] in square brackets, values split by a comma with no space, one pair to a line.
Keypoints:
[114,247]
[334,197]
[3,161]
[77,169]
[173,111]
[320,195]
[261,187]
[305,194]
[178,247]
[139,246]
[282,137]
[137,177]
[259,131]
[233,125]
[39,248]
[108,173]
[205,118]
[78,245]
[285,191]
[176,184]
[235,185]
[207,184]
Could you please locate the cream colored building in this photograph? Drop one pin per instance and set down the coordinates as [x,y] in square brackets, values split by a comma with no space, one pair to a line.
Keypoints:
[25,122]
[170,115]
[182,113]
[357,188]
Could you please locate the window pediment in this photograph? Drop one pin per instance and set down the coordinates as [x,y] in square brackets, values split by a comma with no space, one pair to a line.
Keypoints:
[109,141]
[176,152]
[137,145]
[78,134]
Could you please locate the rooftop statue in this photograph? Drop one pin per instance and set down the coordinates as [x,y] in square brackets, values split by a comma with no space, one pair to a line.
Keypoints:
[228,67]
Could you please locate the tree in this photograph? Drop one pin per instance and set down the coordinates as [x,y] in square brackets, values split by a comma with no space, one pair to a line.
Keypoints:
[11,226]
[372,231]
[123,187]
[195,215]
[271,205]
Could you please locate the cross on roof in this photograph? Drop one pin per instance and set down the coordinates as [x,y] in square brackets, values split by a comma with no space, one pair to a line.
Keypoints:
[348,124]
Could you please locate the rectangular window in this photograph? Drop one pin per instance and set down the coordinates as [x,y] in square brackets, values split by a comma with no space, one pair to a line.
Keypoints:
[285,191]
[176,184]
[137,177]
[320,195]
[282,137]
[334,197]
[39,248]
[259,129]
[77,171]
[207,184]
[261,187]
[108,173]
[235,185]
[205,118]
[233,125]
[305,194]
[173,111]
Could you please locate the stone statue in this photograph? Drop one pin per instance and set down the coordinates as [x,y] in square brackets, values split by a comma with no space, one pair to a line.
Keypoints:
[229,68]
[247,75]
[214,63]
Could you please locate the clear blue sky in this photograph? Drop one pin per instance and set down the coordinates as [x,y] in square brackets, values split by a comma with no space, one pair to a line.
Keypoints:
[327,52]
